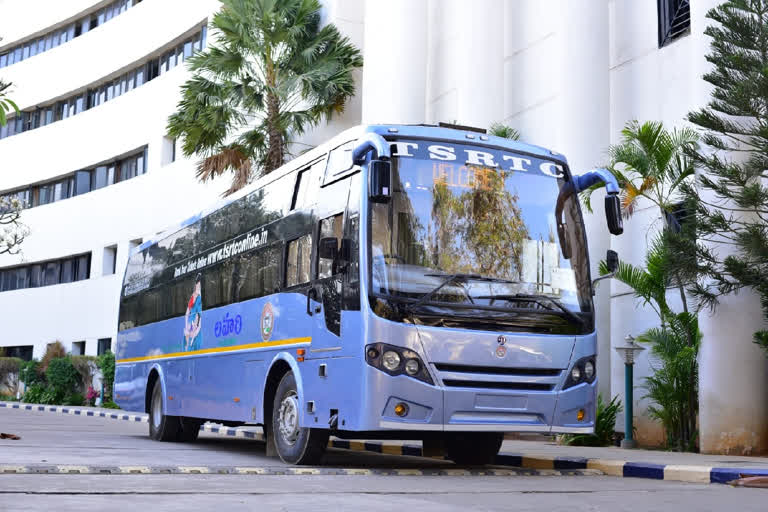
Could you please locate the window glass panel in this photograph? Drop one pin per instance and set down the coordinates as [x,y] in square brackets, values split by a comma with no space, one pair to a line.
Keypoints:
[140,76]
[67,272]
[187,49]
[102,16]
[329,228]
[17,53]
[33,48]
[36,276]
[51,275]
[82,182]
[104,346]
[100,177]
[217,285]
[299,257]
[3,60]
[111,174]
[141,163]
[83,267]
[79,104]
[27,48]
[71,32]
[45,194]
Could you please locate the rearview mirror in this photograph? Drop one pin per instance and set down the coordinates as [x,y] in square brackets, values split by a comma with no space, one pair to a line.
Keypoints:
[329,248]
[380,181]
[613,214]
[612,261]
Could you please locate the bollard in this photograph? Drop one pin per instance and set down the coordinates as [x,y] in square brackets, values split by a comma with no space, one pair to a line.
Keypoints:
[628,353]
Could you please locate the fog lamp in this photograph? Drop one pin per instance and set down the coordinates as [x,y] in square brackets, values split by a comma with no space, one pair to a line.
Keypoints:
[580,415]
[401,409]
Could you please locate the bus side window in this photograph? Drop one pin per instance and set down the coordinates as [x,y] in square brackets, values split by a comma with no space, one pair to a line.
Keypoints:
[329,228]
[298,261]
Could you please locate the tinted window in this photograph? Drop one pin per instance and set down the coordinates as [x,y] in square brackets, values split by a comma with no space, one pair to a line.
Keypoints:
[299,256]
[329,228]
[217,285]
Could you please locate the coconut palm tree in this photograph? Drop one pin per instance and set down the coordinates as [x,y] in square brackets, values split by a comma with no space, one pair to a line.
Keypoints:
[272,73]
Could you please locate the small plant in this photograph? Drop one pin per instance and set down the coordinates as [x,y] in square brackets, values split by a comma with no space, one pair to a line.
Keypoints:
[91,395]
[109,404]
[34,394]
[605,426]
[62,377]
[73,399]
[106,363]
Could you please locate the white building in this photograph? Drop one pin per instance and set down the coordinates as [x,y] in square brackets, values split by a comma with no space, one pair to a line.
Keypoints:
[567,73]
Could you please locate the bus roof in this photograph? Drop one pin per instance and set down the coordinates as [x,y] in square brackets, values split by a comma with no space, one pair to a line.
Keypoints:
[421,131]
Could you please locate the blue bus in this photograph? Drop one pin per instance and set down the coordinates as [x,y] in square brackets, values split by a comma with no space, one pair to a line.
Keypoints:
[398,282]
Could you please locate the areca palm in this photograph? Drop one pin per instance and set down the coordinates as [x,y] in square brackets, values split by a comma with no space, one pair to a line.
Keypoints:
[6,104]
[273,73]
[650,162]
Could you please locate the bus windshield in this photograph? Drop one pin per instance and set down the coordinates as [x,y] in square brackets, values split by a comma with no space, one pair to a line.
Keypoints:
[473,226]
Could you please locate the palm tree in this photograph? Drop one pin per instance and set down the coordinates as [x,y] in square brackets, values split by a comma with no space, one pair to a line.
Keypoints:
[504,131]
[273,73]
[6,104]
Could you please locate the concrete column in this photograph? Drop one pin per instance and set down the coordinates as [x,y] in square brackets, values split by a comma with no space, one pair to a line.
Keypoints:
[481,58]
[581,129]
[395,69]
[733,371]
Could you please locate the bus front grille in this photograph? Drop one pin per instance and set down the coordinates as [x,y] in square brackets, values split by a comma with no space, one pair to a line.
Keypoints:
[517,386]
[497,370]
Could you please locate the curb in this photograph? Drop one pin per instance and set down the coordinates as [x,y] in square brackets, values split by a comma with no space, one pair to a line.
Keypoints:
[548,464]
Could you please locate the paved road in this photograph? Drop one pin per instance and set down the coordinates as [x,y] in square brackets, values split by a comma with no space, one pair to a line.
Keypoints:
[59,439]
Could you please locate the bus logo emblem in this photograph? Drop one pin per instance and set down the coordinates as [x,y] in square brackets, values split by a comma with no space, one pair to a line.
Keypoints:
[501,340]
[267,322]
[501,351]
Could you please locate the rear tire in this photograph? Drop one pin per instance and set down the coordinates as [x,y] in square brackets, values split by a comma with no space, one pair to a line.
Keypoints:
[189,429]
[473,449]
[294,444]
[161,426]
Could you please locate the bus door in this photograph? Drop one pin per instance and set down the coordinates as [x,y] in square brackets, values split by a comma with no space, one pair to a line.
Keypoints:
[325,293]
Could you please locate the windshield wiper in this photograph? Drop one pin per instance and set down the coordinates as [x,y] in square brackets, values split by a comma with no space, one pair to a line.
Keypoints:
[449,279]
[538,299]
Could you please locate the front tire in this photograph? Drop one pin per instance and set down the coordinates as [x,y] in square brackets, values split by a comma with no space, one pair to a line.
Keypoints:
[294,444]
[473,449]
[161,426]
[189,429]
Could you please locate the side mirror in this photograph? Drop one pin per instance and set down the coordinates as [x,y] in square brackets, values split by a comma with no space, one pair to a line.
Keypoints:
[613,214]
[612,261]
[380,181]
[329,248]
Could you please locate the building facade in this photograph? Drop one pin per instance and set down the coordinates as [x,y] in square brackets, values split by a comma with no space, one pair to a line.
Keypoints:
[568,74]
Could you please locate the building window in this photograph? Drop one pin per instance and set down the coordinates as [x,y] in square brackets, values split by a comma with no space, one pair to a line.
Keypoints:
[106,89]
[109,264]
[674,20]
[105,345]
[78,348]
[61,35]
[65,270]
[21,351]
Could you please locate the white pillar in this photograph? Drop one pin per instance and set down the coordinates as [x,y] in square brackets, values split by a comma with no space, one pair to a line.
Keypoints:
[481,59]
[582,130]
[733,371]
[395,68]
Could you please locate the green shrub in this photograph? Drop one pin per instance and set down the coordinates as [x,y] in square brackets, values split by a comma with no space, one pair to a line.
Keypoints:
[34,394]
[106,364]
[29,373]
[109,404]
[74,399]
[62,377]
[605,426]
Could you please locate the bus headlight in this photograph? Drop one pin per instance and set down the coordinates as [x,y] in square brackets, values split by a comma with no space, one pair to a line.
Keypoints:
[389,359]
[583,371]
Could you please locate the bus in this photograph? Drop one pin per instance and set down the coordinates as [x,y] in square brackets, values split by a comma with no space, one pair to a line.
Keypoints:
[397,282]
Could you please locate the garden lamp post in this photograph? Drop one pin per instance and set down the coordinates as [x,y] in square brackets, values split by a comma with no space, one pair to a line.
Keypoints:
[627,351]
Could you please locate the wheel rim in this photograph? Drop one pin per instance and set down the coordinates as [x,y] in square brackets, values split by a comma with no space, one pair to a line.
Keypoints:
[157,407]
[288,419]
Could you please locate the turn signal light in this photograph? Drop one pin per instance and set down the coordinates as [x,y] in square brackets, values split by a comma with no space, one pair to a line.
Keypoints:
[401,409]
[580,415]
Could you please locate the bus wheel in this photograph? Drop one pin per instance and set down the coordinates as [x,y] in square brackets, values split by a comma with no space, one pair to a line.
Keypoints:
[473,449]
[189,428]
[294,444]
[161,426]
